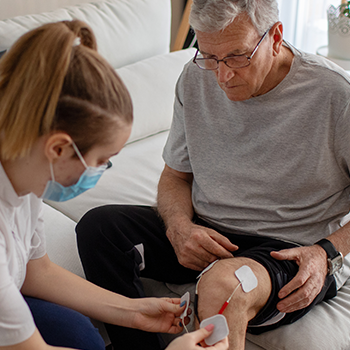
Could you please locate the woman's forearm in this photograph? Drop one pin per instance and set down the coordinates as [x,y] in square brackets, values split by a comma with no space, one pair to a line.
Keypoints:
[48,281]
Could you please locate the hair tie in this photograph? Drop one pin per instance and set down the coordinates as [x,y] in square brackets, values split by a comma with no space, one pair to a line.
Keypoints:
[76,41]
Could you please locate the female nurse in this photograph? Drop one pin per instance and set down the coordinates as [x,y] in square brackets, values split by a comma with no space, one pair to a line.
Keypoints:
[63,113]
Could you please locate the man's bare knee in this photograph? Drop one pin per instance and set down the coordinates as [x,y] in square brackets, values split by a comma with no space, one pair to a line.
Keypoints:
[218,284]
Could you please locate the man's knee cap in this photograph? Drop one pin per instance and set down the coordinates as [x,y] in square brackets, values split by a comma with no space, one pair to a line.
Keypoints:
[221,283]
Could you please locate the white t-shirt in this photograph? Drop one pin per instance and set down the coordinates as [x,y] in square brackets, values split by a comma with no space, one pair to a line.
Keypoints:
[21,239]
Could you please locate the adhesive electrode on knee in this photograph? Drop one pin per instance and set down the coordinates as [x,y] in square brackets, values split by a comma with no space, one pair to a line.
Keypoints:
[246,277]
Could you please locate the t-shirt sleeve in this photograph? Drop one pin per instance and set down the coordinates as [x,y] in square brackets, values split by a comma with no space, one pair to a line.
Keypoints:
[342,140]
[175,153]
[38,241]
[16,321]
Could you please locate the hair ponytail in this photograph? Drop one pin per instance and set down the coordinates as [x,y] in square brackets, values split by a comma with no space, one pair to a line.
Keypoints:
[42,68]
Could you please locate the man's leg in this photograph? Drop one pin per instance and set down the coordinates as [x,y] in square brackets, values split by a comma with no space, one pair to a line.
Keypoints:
[109,241]
[216,286]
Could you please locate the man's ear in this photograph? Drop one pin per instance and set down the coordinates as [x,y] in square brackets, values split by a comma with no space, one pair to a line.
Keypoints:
[277,37]
[58,146]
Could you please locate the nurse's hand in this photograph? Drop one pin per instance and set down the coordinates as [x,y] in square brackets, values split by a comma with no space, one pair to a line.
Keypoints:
[159,315]
[192,340]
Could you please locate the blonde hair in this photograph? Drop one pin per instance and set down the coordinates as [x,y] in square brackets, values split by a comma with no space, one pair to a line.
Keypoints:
[51,82]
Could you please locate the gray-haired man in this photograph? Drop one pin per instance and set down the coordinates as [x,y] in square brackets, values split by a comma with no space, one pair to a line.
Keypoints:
[256,174]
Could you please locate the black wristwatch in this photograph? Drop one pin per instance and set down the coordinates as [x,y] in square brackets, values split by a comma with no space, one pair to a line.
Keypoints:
[334,258]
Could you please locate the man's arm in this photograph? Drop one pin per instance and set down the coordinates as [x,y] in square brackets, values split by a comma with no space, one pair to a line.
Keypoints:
[312,263]
[195,246]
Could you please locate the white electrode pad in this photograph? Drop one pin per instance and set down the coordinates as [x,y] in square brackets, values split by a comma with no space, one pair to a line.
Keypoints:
[247,278]
[185,297]
[220,331]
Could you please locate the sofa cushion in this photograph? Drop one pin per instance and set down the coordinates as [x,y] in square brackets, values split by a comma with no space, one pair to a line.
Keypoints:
[125,29]
[313,328]
[60,240]
[151,84]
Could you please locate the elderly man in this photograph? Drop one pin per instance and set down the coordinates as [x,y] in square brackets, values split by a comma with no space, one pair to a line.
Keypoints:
[256,180]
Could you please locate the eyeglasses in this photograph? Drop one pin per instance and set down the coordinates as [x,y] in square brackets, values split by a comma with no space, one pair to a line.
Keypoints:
[234,61]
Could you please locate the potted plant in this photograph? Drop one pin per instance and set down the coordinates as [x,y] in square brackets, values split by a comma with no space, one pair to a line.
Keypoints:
[339,31]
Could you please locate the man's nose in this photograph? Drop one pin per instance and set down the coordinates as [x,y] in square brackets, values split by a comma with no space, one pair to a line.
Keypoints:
[224,73]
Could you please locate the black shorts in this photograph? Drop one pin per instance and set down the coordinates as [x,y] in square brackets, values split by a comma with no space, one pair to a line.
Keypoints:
[281,272]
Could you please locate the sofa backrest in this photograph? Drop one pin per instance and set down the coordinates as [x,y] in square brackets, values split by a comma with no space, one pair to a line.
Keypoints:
[134,36]
[127,31]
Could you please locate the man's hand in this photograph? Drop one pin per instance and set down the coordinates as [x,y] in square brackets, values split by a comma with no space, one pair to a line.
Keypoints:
[197,246]
[308,282]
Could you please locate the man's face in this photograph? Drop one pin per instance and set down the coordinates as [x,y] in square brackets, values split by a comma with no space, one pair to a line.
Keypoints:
[240,37]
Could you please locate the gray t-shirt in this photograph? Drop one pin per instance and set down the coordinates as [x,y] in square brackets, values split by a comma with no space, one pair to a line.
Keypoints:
[275,165]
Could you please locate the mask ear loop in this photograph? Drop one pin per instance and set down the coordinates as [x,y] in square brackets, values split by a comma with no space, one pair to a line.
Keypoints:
[52,174]
[79,154]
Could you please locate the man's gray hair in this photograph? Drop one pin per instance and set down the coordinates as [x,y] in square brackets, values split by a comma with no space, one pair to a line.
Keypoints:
[214,15]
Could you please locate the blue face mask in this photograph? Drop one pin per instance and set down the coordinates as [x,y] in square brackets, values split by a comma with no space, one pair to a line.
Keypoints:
[54,191]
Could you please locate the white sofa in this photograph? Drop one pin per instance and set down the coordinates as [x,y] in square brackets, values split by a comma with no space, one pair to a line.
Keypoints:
[134,36]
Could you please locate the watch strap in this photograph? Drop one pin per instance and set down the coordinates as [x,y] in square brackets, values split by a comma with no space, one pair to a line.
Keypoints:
[328,247]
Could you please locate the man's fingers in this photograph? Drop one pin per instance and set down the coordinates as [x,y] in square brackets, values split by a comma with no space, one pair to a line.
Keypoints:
[308,282]
[285,254]
[288,306]
[223,241]
[196,260]
[299,293]
[299,299]
[215,249]
[200,246]
[201,250]
[217,245]
[224,247]
[195,256]
[297,282]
